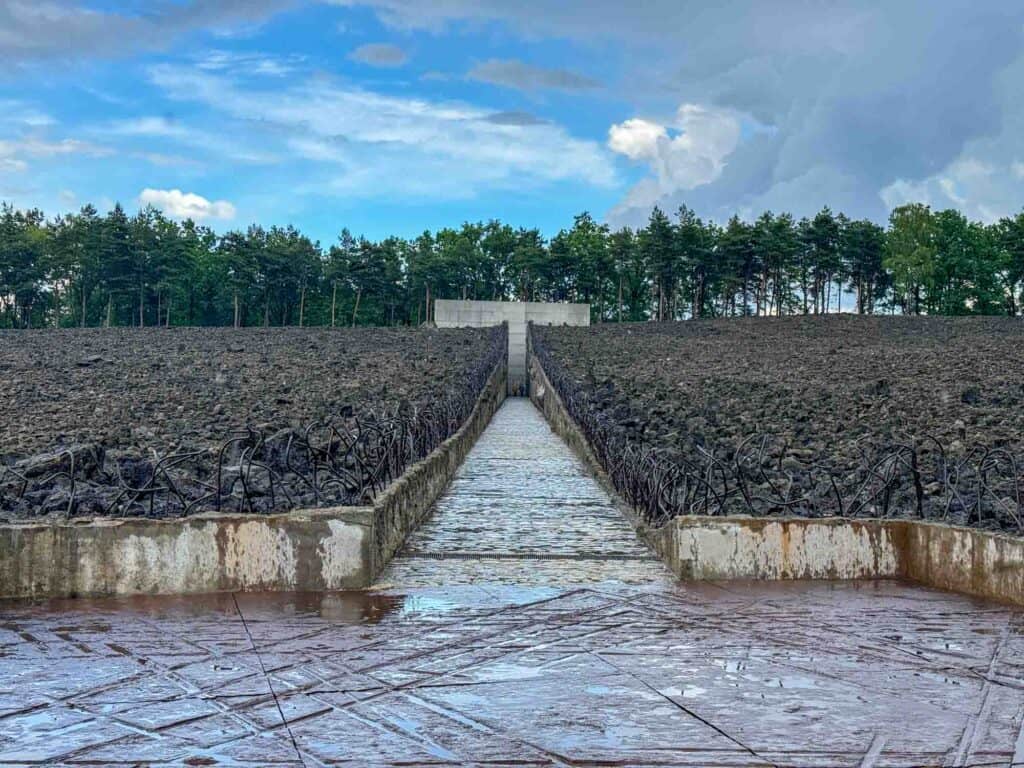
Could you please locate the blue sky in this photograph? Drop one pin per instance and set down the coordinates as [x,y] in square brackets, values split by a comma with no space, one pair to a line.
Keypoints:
[393,116]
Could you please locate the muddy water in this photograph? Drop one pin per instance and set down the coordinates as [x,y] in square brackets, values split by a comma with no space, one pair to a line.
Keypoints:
[524,625]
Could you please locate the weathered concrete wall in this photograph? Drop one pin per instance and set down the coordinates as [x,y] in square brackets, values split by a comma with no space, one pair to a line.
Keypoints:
[480,314]
[335,548]
[311,549]
[791,548]
[965,560]
[946,557]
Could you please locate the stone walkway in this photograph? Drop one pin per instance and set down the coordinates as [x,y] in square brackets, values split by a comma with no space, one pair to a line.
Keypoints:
[503,638]
[523,510]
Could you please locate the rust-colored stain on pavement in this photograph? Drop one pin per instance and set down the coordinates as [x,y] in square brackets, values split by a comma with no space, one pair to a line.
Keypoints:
[523,646]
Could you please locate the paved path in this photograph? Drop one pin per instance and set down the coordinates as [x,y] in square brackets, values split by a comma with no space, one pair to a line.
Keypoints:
[523,509]
[530,656]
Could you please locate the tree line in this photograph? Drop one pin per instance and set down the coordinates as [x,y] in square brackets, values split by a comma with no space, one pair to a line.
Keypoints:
[86,269]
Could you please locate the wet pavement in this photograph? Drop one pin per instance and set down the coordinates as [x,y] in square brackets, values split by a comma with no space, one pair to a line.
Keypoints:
[502,640]
[523,509]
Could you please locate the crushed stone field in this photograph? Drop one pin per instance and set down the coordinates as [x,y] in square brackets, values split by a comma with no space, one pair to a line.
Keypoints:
[130,421]
[813,416]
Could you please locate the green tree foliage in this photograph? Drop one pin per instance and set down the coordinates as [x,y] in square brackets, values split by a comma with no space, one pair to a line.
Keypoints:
[83,269]
[910,254]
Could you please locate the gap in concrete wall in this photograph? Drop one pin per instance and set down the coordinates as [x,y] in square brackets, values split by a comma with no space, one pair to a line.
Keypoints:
[451,313]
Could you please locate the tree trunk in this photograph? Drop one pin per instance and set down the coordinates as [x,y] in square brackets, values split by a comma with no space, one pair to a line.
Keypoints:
[236,308]
[110,308]
[620,298]
[302,307]
[142,307]
[167,318]
[334,303]
[355,309]
[83,303]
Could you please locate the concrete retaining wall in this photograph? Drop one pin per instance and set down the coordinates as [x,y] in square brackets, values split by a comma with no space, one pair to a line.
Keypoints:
[960,559]
[308,549]
[334,548]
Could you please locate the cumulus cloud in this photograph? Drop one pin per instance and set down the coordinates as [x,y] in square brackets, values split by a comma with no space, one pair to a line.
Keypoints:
[376,142]
[513,73]
[686,153]
[865,101]
[379,55]
[636,138]
[186,205]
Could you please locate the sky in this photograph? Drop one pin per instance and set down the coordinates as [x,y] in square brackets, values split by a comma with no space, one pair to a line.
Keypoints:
[395,116]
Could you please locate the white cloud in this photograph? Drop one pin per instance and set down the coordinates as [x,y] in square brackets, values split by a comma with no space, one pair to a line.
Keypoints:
[251,63]
[979,189]
[871,95]
[11,164]
[148,126]
[686,153]
[635,138]
[393,142]
[228,144]
[14,153]
[16,113]
[34,147]
[186,205]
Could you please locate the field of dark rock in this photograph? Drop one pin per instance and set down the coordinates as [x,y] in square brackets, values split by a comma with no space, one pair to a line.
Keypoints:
[834,415]
[251,419]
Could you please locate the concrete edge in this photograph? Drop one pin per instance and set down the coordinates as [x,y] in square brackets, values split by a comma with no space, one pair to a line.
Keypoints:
[407,502]
[304,549]
[966,560]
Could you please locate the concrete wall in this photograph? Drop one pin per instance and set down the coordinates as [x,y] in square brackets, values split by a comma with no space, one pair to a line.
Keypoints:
[336,548]
[518,314]
[959,559]
[308,549]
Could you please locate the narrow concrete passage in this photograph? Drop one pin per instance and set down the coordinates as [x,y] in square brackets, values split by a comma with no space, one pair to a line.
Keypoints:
[497,646]
[523,509]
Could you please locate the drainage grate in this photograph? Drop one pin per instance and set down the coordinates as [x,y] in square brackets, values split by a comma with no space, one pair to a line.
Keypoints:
[523,556]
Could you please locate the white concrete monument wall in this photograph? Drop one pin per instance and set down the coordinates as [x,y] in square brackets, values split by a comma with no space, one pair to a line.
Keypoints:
[449,313]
